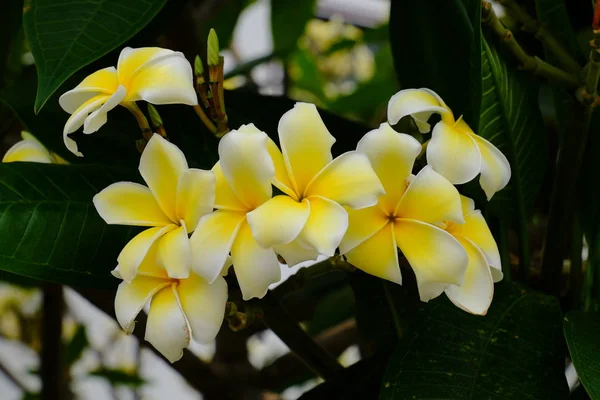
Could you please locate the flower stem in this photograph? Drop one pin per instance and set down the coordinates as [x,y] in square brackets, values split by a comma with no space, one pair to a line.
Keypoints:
[141,119]
[393,310]
[528,63]
[205,120]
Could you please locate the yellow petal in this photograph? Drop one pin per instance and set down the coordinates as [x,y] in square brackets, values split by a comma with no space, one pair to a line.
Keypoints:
[131,298]
[296,252]
[468,205]
[255,267]
[167,329]
[326,225]
[305,143]
[418,103]
[392,156]
[203,305]
[98,117]
[158,76]
[225,199]
[149,266]
[430,198]
[247,165]
[29,151]
[104,82]
[453,154]
[378,255]
[174,253]
[278,221]
[128,203]
[134,252]
[195,196]
[162,164]
[348,180]
[282,179]
[435,256]
[476,293]
[362,224]
[495,168]
[212,240]
[77,119]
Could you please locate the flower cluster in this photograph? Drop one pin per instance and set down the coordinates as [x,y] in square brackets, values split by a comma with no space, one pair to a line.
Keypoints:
[363,205]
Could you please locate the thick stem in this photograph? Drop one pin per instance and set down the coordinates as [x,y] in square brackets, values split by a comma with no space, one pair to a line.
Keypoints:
[52,365]
[528,63]
[141,119]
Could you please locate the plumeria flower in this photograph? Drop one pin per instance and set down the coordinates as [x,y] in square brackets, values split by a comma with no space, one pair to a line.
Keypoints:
[454,150]
[152,74]
[243,182]
[316,187]
[179,308]
[172,204]
[32,150]
[406,217]
[484,268]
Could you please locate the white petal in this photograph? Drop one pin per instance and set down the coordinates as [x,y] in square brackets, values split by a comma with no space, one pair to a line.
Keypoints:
[495,168]
[195,196]
[415,101]
[29,151]
[76,120]
[103,81]
[98,117]
[131,298]
[326,225]
[174,253]
[296,252]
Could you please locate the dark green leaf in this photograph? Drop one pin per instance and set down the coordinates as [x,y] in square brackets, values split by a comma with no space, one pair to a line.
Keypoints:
[78,343]
[119,377]
[333,309]
[12,43]
[49,228]
[66,35]
[288,18]
[581,332]
[514,352]
[553,14]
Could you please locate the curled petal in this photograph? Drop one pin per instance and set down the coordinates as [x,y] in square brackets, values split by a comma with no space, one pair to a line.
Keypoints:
[362,224]
[158,76]
[167,329]
[104,81]
[255,267]
[348,180]
[174,253]
[326,225]
[131,298]
[128,203]
[453,154]
[305,143]
[430,198]
[476,293]
[212,241]
[296,252]
[195,196]
[392,156]
[162,164]
[98,117]
[29,151]
[278,221]
[77,119]
[495,168]
[203,305]
[419,103]
[435,256]
[378,255]
[247,165]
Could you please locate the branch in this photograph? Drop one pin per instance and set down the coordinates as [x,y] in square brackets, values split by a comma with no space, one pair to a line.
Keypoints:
[52,369]
[6,372]
[537,29]
[528,63]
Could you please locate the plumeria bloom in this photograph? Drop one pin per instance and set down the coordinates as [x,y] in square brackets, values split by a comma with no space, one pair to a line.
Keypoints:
[315,186]
[172,204]
[32,150]
[484,268]
[243,182]
[406,217]
[179,308]
[152,74]
[454,150]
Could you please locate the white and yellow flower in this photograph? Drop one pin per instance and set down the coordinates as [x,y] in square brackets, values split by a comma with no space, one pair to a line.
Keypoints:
[243,182]
[454,150]
[484,268]
[406,217]
[316,187]
[31,150]
[172,204]
[152,74]
[180,309]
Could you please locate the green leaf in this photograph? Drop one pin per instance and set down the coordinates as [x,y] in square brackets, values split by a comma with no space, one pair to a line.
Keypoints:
[514,352]
[288,19]
[119,377]
[78,343]
[581,331]
[49,228]
[333,309]
[66,35]
[555,17]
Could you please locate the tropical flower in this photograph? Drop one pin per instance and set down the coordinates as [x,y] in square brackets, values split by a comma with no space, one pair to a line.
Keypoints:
[243,182]
[179,308]
[32,150]
[316,187]
[454,150]
[172,204]
[476,293]
[406,217]
[152,74]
